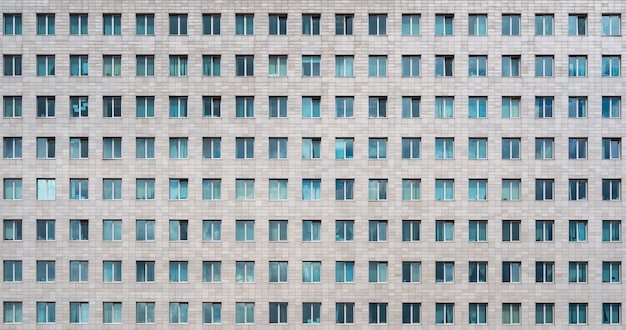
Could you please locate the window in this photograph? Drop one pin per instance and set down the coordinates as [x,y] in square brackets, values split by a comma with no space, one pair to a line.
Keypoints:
[611,65]
[311,313]
[477,231]
[511,230]
[577,66]
[46,230]
[411,230]
[444,230]
[511,272]
[278,148]
[244,106]
[311,230]
[145,24]
[244,24]
[544,189]
[244,230]
[611,313]
[244,65]
[377,24]
[477,313]
[411,106]
[12,230]
[211,230]
[377,189]
[112,230]
[611,230]
[79,106]
[344,230]
[477,66]
[12,271]
[112,65]
[211,148]
[511,65]
[377,66]
[344,24]
[344,313]
[178,24]
[411,271]
[477,272]
[12,312]
[577,148]
[511,313]
[145,271]
[310,107]
[278,231]
[178,66]
[411,189]
[477,148]
[577,25]
[79,65]
[311,66]
[444,148]
[544,65]
[179,271]
[211,271]
[145,107]
[212,312]
[611,272]
[46,107]
[444,272]
[310,24]
[278,66]
[79,189]
[411,24]
[145,65]
[444,313]
[544,24]
[444,24]
[278,313]
[543,106]
[12,106]
[278,107]
[377,148]
[577,271]
[179,189]
[511,189]
[112,271]
[79,312]
[611,107]
[112,312]
[378,313]
[278,271]
[510,24]
[311,189]
[544,230]
[211,24]
[344,148]
[145,312]
[444,65]
[145,148]
[211,65]
[611,148]
[544,313]
[544,272]
[544,148]
[444,107]
[12,65]
[244,271]
[577,313]
[311,148]
[45,271]
[79,271]
[179,230]
[411,65]
[611,24]
[278,24]
[344,107]
[278,189]
[79,147]
[178,148]
[112,24]
[344,189]
[411,313]
[311,271]
[577,230]
[12,188]
[45,24]
[144,230]
[377,271]
[377,230]
[577,189]
[377,107]
[112,148]
[13,24]
[46,189]
[244,189]
[477,24]
[444,189]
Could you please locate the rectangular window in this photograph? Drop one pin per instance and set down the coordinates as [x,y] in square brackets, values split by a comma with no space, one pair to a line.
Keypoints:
[12,271]
[577,24]
[178,66]
[12,65]
[611,65]
[311,271]
[510,24]
[278,106]
[111,230]
[377,230]
[577,66]
[444,313]
[311,189]
[444,24]
[46,271]
[79,106]
[211,65]
[544,65]
[278,24]
[511,313]
[444,189]
[144,230]
[244,148]
[577,313]
[611,106]
[79,147]
[611,230]
[145,312]
[211,271]
[12,106]
[377,24]
[145,107]
[111,271]
[278,313]
[544,189]
[544,313]
[145,148]
[344,107]
[244,65]
[278,271]
[211,148]
[211,230]
[145,189]
[112,24]
[278,148]
[13,24]
[46,107]
[178,24]
[211,24]
[511,272]
[611,313]
[377,107]
[311,66]
[179,230]
[411,189]
[411,313]
[477,230]
[46,189]
[444,230]
[112,312]
[178,148]
[46,230]
[611,148]
[111,106]
[344,313]
[377,189]
[311,313]
[511,65]
[244,106]
[511,230]
[377,148]
[45,24]
[477,272]
[179,271]
[12,312]
[411,65]
[477,24]
[544,24]
[444,272]
[577,230]
[444,148]
[544,148]
[411,271]
[411,24]
[79,65]
[278,230]
[577,148]
[543,106]
[244,24]
[179,189]
[444,65]
[311,24]
[477,148]
[79,189]
[79,312]
[344,189]
[145,271]
[511,189]
[577,189]
[211,313]
[145,65]
[477,313]
[344,24]
[244,271]
[311,107]
[344,230]
[12,230]
[378,313]
[311,148]
[244,189]
[611,24]
[578,272]
[278,66]
[311,230]
[444,107]
[13,189]
[112,65]
[377,66]
[378,272]
[544,272]
[112,147]
[278,189]
[544,230]
[244,230]
[477,66]
[344,272]
[411,106]
[144,24]
[611,272]
[411,230]
[344,148]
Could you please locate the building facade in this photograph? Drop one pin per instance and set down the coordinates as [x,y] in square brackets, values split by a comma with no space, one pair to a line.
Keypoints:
[245,164]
